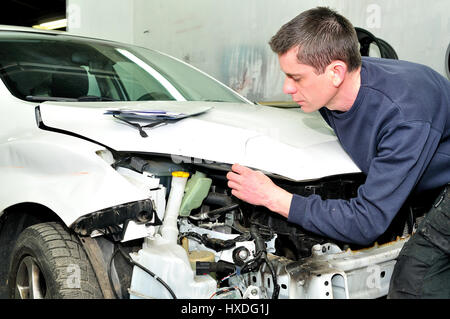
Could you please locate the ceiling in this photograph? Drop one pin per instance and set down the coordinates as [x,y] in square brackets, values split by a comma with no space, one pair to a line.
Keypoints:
[31,12]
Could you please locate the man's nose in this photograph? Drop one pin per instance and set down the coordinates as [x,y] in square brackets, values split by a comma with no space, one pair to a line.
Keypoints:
[289,87]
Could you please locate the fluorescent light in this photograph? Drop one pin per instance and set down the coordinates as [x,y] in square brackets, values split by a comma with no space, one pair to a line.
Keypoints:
[57,24]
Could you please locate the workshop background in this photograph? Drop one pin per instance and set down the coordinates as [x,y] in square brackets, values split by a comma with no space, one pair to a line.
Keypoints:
[228,39]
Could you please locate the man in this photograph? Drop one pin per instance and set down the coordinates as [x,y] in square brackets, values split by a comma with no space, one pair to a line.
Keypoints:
[393,119]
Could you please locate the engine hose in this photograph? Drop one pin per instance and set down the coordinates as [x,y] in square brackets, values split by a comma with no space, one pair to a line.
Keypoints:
[219,199]
[215,243]
[276,287]
[214,214]
[260,247]
[260,244]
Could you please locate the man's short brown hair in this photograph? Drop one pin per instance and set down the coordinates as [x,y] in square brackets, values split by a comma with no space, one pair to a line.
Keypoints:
[322,35]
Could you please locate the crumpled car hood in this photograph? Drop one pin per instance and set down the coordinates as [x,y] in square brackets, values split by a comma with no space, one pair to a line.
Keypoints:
[287,142]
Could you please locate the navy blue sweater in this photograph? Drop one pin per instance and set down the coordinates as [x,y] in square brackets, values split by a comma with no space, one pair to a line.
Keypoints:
[398,133]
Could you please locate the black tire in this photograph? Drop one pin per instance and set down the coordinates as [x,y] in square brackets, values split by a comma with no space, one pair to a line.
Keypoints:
[49,262]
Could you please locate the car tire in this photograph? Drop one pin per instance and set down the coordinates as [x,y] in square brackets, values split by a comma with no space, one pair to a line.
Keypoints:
[49,262]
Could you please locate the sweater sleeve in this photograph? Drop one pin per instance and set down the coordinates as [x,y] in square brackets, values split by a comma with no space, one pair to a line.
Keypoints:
[402,156]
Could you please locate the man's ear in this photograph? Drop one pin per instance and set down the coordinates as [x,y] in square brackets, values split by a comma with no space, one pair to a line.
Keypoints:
[336,72]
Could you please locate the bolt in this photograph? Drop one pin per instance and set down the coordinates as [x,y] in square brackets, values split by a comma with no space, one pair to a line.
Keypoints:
[243,254]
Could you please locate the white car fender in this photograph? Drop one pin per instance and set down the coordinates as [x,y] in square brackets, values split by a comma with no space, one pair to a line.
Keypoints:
[63,173]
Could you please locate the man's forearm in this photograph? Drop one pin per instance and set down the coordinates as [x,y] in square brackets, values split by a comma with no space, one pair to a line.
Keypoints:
[256,188]
[280,202]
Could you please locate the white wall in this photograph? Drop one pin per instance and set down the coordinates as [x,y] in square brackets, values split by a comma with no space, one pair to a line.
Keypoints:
[228,39]
[106,19]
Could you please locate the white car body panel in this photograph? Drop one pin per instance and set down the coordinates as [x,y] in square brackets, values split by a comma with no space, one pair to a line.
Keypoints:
[285,142]
[62,173]
[58,171]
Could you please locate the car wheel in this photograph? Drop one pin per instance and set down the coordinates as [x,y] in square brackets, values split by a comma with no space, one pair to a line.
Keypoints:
[49,262]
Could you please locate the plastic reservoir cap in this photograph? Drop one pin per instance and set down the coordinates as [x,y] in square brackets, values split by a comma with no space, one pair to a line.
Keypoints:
[180,174]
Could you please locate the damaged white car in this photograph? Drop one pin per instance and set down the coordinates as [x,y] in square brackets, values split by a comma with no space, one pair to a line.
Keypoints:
[113,160]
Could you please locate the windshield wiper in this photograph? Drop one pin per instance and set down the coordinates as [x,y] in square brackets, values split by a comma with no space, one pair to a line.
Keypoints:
[34,98]
[89,98]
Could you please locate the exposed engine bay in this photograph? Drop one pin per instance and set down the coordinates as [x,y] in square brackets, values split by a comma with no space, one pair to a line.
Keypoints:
[193,239]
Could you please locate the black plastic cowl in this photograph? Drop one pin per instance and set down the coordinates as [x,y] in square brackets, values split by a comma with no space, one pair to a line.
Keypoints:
[141,212]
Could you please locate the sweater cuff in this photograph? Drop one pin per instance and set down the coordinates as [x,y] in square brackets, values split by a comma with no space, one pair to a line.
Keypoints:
[297,210]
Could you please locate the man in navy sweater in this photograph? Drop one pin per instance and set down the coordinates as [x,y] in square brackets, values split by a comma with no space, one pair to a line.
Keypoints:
[393,119]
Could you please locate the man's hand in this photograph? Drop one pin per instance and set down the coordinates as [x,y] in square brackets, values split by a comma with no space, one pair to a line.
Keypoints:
[256,188]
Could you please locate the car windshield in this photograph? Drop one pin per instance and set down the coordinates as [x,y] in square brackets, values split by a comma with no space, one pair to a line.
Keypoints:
[42,67]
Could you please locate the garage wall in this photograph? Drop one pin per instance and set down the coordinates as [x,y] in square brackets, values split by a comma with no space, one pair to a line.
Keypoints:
[105,19]
[228,39]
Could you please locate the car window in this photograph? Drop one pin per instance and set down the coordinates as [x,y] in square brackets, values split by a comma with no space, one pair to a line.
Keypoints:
[193,84]
[138,85]
[41,67]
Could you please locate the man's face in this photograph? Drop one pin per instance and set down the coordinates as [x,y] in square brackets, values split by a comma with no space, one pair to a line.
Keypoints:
[307,88]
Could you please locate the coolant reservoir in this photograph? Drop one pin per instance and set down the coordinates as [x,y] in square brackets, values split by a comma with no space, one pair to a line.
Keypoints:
[197,189]
[168,260]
